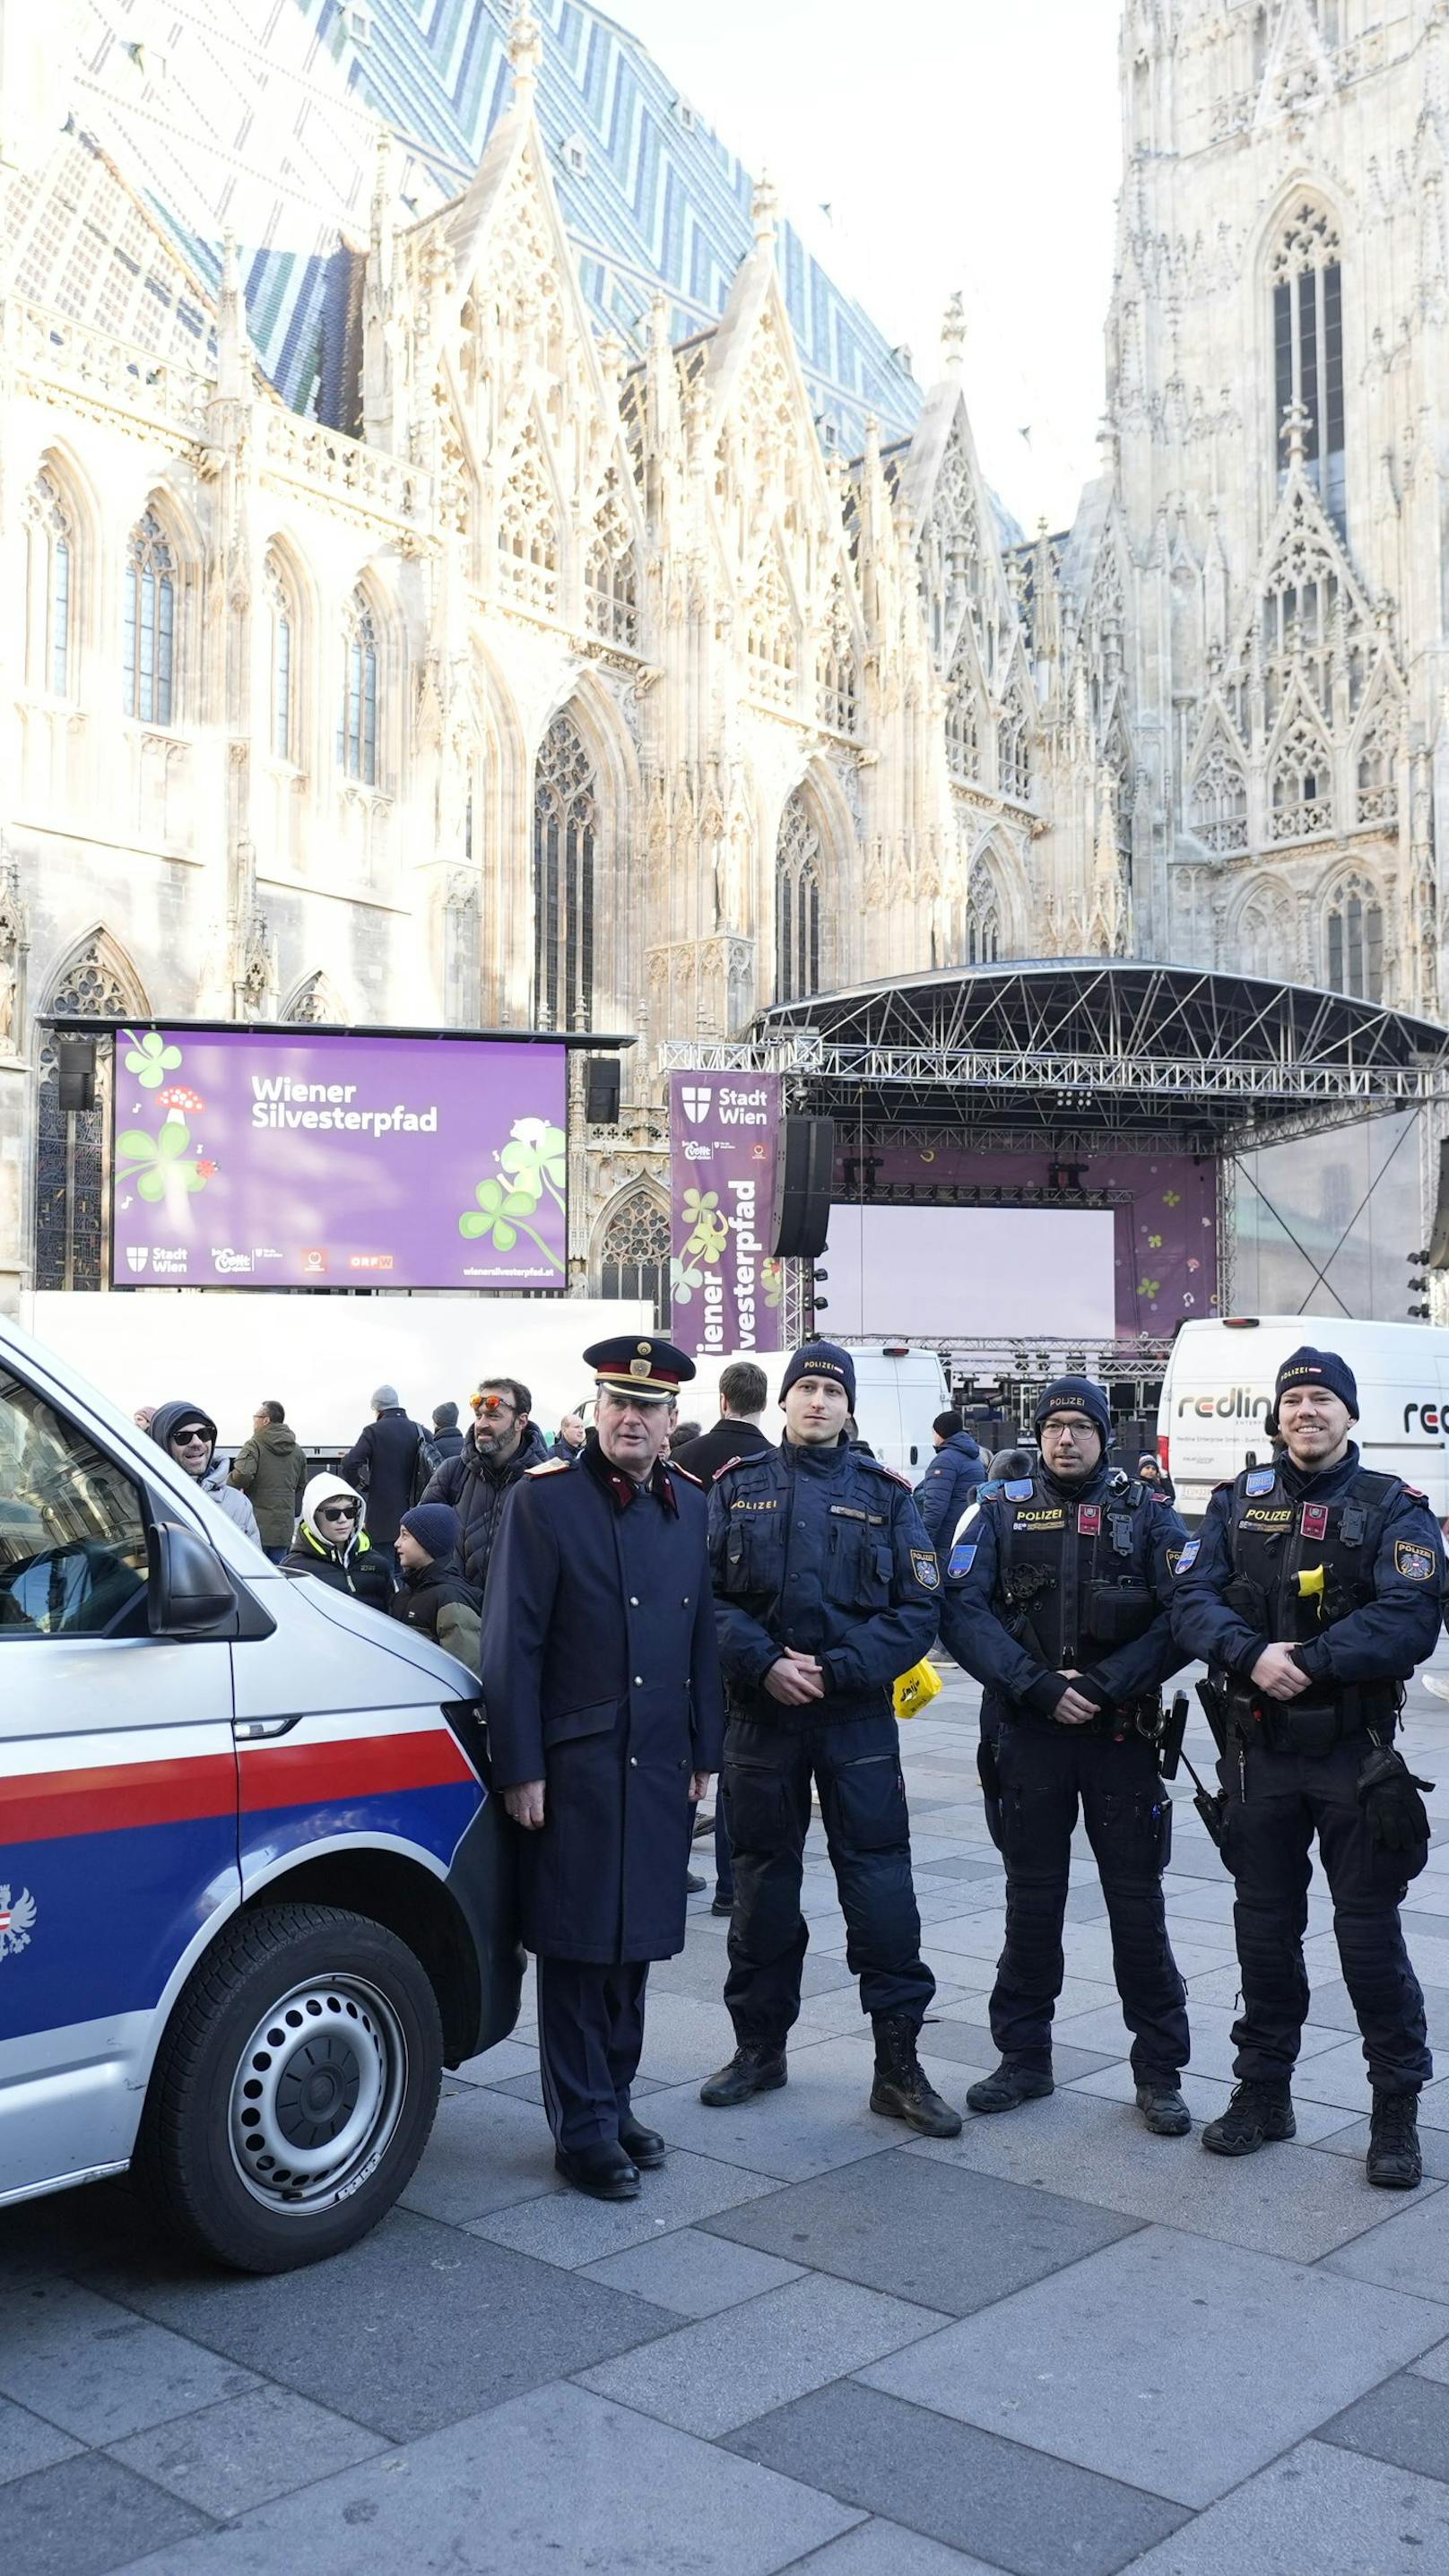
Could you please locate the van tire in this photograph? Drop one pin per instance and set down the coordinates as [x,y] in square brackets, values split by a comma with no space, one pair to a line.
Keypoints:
[303,2027]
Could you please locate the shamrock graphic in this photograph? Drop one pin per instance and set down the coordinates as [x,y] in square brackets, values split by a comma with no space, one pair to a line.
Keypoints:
[157,1161]
[503,1214]
[150,1058]
[1172,1198]
[684,1278]
[537,1158]
[1149,1288]
[1154,1243]
[708,1230]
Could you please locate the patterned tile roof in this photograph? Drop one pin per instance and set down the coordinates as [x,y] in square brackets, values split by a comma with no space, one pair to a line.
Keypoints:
[261,115]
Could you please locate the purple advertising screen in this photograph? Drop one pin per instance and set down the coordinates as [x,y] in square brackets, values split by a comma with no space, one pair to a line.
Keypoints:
[723,1139]
[252,1159]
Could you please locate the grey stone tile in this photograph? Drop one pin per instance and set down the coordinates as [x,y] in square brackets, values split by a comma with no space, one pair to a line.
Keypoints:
[1332,2009]
[231,2457]
[1408,2250]
[818,2120]
[413,2328]
[877,2548]
[963,1865]
[87,2516]
[27,2443]
[1011,2507]
[1206,2096]
[1286,2201]
[694,2274]
[496,2065]
[685,2038]
[487,2150]
[949,2238]
[1317,2512]
[572,2230]
[970,2044]
[1435,2364]
[713,2376]
[555,2481]
[1211,2341]
[99,2371]
[1405,2421]
[1210,2028]
[529,2088]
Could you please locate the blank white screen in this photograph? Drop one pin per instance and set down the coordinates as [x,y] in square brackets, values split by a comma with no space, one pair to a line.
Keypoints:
[938,1271]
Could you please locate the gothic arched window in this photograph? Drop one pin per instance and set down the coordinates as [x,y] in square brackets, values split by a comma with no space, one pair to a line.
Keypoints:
[528,529]
[1218,805]
[49,586]
[1257,939]
[611,586]
[634,1257]
[357,718]
[983,916]
[70,1167]
[770,637]
[1377,769]
[1302,784]
[1308,347]
[565,816]
[1355,941]
[283,661]
[963,723]
[797,904]
[1013,751]
[149,644]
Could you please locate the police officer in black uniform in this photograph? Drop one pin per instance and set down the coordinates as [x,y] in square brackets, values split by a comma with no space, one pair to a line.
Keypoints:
[1058,1600]
[1312,1592]
[601,1683]
[827,1589]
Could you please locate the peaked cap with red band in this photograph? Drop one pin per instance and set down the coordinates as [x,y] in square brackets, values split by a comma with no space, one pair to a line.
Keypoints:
[641,1365]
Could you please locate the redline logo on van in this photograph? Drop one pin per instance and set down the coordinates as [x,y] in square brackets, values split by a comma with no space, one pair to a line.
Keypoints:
[1238,1405]
[1429,1417]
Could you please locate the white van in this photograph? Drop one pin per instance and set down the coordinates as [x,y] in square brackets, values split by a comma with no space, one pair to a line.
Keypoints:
[899,1391]
[253,1890]
[1219,1386]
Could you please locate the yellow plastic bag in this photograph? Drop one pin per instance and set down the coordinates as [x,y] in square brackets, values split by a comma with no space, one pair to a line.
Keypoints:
[916,1689]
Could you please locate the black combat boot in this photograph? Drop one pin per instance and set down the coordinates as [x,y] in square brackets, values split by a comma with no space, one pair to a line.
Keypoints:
[757,2066]
[902,2090]
[1259,2115]
[1010,2086]
[1394,2162]
[1163,2109]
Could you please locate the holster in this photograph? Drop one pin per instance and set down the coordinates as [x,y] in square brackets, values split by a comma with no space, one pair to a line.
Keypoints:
[1119,1613]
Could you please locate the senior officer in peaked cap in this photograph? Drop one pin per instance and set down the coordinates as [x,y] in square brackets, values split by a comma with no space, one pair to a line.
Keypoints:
[605,1720]
[1312,1591]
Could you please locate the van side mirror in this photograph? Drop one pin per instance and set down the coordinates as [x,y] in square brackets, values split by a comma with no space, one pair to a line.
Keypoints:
[189,1592]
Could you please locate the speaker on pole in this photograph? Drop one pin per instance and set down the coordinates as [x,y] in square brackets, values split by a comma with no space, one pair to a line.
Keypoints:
[803,1180]
[75,1061]
[601,1091]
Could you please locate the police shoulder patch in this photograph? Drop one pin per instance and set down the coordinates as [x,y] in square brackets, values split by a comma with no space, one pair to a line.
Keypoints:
[1260,1480]
[551,1467]
[1019,1490]
[1415,1563]
[728,1468]
[961,1559]
[925,1569]
[687,1473]
[1180,1558]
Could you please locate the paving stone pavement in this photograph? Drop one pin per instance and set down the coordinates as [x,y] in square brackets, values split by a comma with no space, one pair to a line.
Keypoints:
[812,2343]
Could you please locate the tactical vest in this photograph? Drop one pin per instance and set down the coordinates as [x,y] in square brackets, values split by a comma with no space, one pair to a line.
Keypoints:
[1297,1567]
[1074,1575]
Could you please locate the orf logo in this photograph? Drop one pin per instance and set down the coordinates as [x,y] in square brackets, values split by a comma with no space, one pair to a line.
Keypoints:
[696,1102]
[138,1254]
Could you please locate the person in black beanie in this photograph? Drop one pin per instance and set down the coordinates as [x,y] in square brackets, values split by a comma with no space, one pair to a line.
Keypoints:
[1311,1592]
[826,1590]
[432,1594]
[1058,1599]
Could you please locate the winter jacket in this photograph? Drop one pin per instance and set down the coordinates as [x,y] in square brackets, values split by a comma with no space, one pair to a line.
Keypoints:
[389,1463]
[948,1485]
[356,1567]
[271,1471]
[477,1492]
[236,1507]
[443,1445]
[437,1600]
[729,1438]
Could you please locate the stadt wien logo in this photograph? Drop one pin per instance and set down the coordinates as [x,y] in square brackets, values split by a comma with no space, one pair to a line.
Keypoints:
[696,1101]
[17,1921]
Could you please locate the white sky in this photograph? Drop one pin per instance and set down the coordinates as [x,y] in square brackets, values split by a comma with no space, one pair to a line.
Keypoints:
[970,143]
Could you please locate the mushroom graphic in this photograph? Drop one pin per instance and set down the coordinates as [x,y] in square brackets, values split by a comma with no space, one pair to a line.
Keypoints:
[178,1101]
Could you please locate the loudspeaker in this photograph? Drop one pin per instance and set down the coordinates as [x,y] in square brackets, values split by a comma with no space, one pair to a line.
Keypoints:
[804,1173]
[1439,1239]
[601,1091]
[75,1060]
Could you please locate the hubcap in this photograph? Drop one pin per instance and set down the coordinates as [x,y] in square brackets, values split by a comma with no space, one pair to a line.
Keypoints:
[317,2093]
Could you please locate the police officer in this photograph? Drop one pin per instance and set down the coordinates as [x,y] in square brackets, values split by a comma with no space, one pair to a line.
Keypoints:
[827,1589]
[1058,1600]
[601,1682]
[1312,1592]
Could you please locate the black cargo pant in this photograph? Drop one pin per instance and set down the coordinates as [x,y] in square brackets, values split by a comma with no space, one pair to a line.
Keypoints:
[1045,1772]
[766,1788]
[1275,1807]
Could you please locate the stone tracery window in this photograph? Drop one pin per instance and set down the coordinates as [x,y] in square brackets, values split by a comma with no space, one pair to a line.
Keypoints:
[963,719]
[983,941]
[528,544]
[1013,749]
[1376,772]
[1354,940]
[836,677]
[1257,936]
[797,903]
[70,1164]
[950,552]
[1308,347]
[1218,804]
[611,586]
[565,821]
[634,1257]
[357,718]
[282,661]
[148,589]
[49,587]
[1301,800]
[770,637]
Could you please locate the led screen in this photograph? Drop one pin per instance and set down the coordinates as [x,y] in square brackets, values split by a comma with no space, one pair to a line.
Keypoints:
[937,1272]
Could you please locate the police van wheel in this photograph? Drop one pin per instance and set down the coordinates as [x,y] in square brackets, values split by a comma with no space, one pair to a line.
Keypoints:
[295,2089]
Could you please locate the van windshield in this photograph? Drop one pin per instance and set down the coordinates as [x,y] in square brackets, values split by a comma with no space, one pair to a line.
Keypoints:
[72,1535]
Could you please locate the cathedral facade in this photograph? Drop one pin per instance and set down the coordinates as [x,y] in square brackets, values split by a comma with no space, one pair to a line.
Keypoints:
[430,601]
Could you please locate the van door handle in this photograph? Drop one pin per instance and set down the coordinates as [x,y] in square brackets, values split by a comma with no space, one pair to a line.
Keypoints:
[258,1730]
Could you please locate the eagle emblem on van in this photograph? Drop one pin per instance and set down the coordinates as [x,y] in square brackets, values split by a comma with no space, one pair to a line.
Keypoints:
[17,1921]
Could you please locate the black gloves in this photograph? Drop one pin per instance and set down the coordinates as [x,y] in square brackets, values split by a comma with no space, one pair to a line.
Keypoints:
[1389,1795]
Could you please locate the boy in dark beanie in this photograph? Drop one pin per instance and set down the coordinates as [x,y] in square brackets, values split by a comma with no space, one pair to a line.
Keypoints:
[433,1595]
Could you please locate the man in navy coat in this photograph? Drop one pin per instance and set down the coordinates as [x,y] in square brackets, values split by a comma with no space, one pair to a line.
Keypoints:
[605,1720]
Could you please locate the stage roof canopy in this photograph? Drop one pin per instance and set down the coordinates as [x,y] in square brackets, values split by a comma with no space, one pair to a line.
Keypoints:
[1098,1047]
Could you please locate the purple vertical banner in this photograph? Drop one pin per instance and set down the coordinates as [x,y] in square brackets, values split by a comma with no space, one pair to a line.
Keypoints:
[723,1137]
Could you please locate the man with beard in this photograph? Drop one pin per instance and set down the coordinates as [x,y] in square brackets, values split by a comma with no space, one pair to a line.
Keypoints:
[502,1445]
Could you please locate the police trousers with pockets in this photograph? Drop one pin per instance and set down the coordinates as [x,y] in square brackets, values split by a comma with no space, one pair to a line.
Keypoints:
[1046,1771]
[766,1788]
[1275,1807]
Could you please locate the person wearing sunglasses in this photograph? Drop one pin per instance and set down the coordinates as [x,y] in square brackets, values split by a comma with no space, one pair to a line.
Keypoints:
[501,1446]
[332,1543]
[188,1435]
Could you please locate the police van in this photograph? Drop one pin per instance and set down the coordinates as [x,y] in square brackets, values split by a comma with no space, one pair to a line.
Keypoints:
[253,1890]
[1219,1388]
